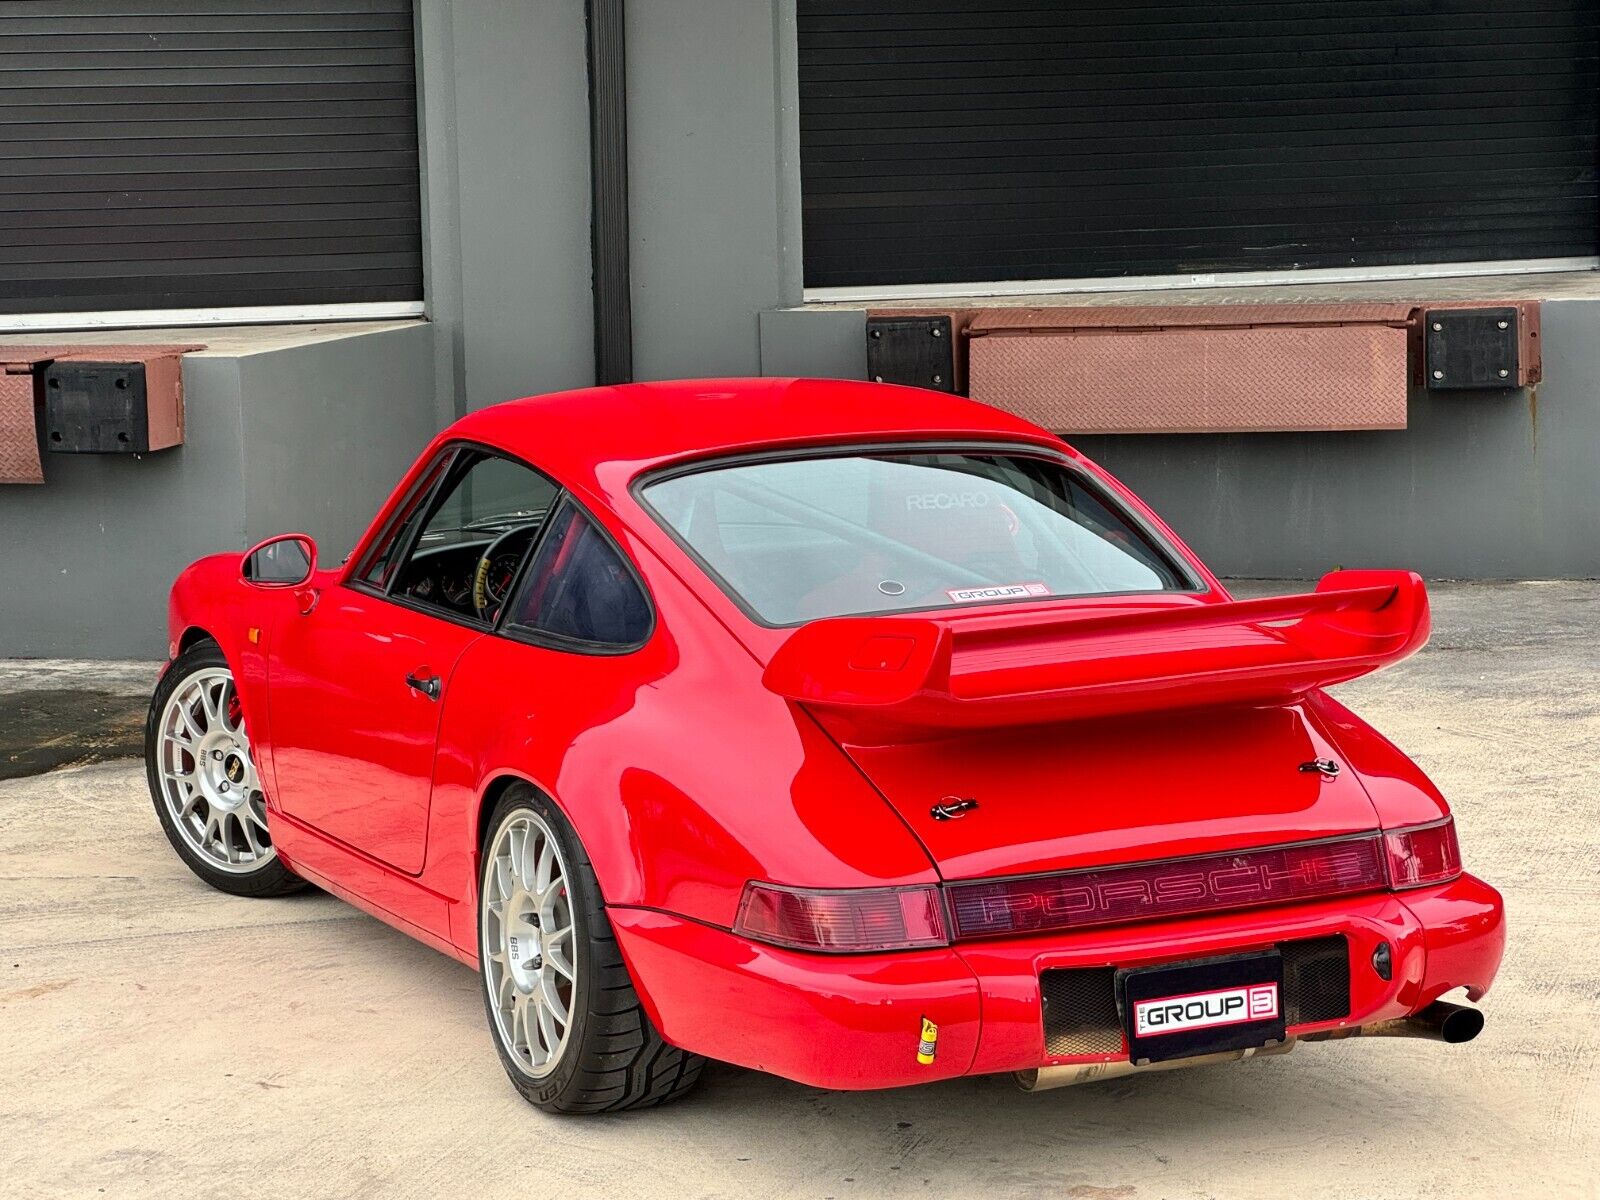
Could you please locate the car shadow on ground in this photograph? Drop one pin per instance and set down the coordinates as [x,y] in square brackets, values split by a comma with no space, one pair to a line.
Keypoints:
[1318,1093]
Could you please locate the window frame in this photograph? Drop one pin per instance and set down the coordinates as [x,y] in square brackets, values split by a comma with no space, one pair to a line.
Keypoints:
[1182,565]
[431,495]
[417,501]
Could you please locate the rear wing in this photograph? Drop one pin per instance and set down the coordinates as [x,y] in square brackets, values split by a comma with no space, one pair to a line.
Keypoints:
[889,677]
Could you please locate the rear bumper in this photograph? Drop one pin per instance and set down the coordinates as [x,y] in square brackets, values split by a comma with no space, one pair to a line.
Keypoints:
[855,1022]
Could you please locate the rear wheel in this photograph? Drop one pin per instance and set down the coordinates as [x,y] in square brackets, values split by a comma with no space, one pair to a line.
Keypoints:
[202,776]
[566,1020]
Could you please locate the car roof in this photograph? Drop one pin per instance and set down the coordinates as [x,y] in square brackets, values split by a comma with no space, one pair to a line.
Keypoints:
[601,438]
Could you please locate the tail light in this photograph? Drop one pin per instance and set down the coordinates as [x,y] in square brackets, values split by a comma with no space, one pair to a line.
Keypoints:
[1423,854]
[854,921]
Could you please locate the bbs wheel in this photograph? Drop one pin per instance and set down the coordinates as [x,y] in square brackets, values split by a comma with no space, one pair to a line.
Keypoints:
[203,780]
[562,1008]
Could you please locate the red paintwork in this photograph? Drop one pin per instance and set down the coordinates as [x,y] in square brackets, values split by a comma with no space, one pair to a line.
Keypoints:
[1094,731]
[352,744]
[885,678]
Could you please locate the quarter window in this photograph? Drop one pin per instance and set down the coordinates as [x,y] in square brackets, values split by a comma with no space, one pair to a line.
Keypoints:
[580,589]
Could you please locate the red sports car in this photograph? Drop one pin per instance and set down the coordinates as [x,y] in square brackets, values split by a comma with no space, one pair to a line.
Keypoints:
[859,734]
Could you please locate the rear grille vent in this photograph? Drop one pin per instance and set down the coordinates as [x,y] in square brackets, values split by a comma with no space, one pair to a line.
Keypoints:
[1080,1006]
[1080,1012]
[1316,980]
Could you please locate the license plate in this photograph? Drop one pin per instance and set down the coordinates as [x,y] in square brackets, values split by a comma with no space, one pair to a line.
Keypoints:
[1188,1009]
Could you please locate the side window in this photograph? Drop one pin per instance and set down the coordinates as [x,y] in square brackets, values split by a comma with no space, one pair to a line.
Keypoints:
[482,523]
[381,558]
[578,588]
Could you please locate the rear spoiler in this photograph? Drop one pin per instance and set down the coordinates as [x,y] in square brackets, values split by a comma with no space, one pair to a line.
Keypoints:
[888,677]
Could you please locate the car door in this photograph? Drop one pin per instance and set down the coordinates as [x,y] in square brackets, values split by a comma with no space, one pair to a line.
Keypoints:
[356,684]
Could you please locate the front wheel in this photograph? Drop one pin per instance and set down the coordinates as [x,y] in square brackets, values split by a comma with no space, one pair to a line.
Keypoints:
[565,1017]
[202,776]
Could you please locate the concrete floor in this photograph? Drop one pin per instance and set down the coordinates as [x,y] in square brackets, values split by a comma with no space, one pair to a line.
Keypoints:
[161,1039]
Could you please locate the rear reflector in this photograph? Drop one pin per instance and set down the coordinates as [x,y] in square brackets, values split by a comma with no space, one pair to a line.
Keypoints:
[1423,854]
[1175,887]
[843,922]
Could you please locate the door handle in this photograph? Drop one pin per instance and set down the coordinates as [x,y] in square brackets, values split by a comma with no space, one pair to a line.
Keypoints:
[428,684]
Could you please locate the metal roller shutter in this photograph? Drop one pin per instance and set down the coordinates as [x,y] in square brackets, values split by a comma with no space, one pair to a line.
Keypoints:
[166,154]
[953,141]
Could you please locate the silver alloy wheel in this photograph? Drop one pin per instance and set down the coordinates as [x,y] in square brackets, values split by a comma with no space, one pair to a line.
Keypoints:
[530,968]
[208,778]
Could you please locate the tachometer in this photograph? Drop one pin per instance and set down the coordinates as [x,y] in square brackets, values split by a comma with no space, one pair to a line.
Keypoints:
[502,572]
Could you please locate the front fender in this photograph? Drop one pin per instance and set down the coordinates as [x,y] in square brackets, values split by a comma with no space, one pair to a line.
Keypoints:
[210,599]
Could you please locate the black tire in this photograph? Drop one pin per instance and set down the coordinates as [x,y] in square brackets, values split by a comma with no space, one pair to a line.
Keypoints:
[613,1059]
[271,877]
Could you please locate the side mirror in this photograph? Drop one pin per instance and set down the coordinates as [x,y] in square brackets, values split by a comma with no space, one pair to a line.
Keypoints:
[284,561]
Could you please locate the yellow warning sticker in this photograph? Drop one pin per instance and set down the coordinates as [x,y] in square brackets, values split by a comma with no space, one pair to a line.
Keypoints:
[930,1042]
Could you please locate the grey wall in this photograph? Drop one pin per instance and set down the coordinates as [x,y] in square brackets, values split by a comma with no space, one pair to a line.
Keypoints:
[327,431]
[714,192]
[86,558]
[505,127]
[306,437]
[1479,485]
[713,181]
[823,343]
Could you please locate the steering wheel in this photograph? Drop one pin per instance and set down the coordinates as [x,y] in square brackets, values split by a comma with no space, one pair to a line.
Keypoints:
[497,570]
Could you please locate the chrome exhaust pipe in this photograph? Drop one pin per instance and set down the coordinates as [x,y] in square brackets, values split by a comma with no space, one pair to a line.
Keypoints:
[1441,1021]
[1070,1074]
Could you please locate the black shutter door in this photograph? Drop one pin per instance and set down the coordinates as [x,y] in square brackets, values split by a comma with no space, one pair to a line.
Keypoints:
[163,154]
[958,141]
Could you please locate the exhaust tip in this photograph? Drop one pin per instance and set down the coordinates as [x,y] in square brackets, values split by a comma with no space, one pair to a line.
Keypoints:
[1457,1024]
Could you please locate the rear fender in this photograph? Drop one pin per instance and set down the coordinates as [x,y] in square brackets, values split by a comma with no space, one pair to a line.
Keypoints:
[1400,792]
[683,777]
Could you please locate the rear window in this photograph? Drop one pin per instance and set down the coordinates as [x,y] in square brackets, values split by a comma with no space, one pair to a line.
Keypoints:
[797,540]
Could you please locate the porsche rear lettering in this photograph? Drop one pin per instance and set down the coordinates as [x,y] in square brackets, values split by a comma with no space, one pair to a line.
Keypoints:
[1253,881]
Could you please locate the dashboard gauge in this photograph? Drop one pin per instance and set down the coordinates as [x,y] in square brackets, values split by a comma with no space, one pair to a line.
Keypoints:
[457,592]
[502,573]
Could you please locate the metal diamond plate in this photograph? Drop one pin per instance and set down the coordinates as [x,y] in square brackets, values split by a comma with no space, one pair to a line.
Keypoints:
[1219,377]
[19,430]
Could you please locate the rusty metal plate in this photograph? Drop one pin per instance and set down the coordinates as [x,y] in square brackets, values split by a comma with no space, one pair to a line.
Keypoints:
[19,425]
[1169,316]
[1197,378]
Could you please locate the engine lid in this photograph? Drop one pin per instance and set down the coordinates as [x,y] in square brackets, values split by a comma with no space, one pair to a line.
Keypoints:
[1136,788]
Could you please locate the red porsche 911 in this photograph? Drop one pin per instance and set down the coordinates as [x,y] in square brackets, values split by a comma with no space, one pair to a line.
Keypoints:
[860,734]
